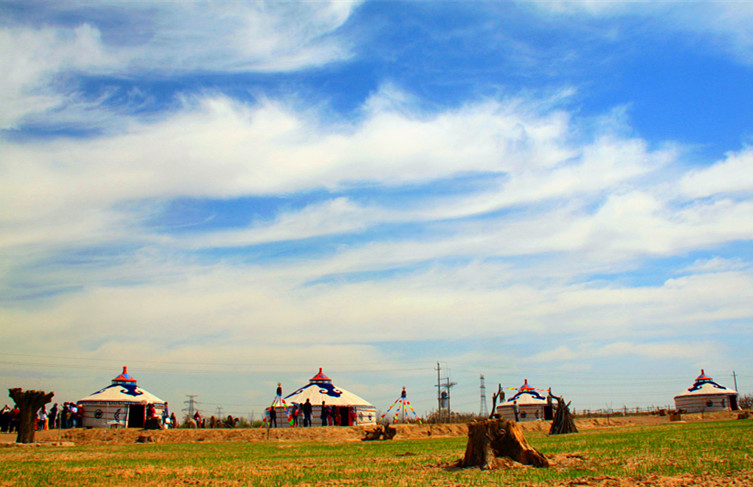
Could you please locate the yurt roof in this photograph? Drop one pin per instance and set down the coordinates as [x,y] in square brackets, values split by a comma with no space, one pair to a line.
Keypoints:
[124,388]
[320,388]
[526,395]
[704,386]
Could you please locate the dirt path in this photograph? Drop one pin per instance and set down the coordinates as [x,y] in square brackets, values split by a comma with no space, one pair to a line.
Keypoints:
[327,434]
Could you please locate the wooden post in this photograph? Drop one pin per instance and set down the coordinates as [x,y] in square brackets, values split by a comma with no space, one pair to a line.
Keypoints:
[496,438]
[28,404]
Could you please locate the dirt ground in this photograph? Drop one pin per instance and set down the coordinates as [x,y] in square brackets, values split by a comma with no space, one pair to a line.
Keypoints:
[328,434]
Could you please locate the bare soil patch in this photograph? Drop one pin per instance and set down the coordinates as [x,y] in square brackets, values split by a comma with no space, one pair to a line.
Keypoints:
[739,479]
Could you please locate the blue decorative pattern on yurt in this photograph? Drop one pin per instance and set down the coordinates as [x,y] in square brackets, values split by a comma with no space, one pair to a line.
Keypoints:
[324,388]
[700,384]
[128,389]
[530,392]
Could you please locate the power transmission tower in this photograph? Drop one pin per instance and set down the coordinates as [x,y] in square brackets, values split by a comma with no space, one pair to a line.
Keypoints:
[219,412]
[482,412]
[191,409]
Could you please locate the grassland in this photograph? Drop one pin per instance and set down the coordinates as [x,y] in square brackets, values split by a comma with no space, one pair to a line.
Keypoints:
[709,453]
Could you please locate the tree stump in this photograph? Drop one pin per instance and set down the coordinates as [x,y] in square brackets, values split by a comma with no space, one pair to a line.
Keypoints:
[563,419]
[385,432]
[497,438]
[28,403]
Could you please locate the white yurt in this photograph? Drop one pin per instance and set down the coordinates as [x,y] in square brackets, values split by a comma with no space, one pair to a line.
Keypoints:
[532,406]
[121,404]
[344,408]
[706,396]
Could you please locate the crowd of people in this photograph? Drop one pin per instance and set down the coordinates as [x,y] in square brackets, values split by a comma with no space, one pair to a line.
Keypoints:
[69,416]
[165,420]
[300,415]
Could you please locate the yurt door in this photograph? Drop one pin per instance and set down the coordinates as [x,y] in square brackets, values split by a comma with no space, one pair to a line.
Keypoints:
[136,415]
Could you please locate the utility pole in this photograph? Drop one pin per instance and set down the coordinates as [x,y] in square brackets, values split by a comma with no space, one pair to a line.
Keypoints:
[482,412]
[447,386]
[443,395]
[191,409]
[439,393]
[734,377]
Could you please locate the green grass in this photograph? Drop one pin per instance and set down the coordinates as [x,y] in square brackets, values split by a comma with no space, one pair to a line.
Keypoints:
[723,448]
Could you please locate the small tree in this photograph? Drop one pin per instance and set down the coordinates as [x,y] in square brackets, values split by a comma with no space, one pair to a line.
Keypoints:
[745,402]
[28,403]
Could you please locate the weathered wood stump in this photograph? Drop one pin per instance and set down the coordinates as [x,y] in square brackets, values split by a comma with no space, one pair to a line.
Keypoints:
[28,403]
[496,438]
[563,419]
[385,432]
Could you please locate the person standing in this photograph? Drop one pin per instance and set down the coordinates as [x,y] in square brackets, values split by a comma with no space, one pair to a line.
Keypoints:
[53,416]
[324,414]
[15,418]
[42,418]
[515,410]
[73,408]
[272,417]
[307,413]
[5,419]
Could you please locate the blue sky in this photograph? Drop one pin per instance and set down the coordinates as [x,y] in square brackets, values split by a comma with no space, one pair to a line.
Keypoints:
[224,195]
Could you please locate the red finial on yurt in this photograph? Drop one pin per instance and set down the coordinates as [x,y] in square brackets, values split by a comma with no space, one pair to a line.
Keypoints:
[703,376]
[320,377]
[124,377]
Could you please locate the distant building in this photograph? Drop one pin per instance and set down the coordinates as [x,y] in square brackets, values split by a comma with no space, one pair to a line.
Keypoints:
[706,396]
[530,403]
[345,408]
[121,404]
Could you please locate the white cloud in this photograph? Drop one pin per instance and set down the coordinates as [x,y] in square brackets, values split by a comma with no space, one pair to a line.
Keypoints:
[731,175]
[219,148]
[714,264]
[652,350]
[235,36]
[30,59]
[166,38]
[724,25]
